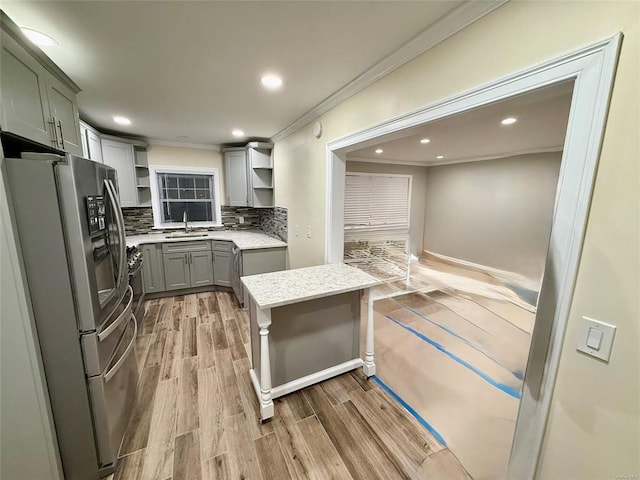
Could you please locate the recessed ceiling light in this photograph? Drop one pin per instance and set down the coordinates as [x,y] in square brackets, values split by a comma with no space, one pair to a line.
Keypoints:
[439,157]
[237,133]
[271,81]
[425,141]
[509,121]
[379,151]
[122,120]
[183,137]
[39,38]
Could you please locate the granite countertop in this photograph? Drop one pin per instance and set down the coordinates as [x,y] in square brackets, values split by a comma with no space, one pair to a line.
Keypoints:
[276,289]
[244,240]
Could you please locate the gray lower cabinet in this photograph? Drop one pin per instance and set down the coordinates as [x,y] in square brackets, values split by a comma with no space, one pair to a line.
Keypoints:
[187,264]
[152,268]
[222,263]
[254,262]
[201,268]
[223,268]
[176,271]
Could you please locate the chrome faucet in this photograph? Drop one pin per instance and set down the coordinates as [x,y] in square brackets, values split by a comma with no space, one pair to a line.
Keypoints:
[185,219]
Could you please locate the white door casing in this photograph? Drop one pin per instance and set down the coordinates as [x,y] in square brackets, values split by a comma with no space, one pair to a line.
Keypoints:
[593,69]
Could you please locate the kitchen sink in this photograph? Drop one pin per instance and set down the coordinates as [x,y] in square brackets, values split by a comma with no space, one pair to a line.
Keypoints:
[186,235]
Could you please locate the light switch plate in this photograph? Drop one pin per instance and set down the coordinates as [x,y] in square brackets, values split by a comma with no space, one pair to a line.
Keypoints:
[591,328]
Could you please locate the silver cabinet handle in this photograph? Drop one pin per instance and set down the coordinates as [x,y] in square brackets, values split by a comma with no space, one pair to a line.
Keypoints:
[61,134]
[54,132]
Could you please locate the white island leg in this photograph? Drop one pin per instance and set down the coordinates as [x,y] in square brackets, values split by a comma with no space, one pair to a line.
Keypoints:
[369,366]
[266,402]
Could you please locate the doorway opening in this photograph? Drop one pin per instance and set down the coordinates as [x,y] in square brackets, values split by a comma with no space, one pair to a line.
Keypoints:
[590,73]
[454,317]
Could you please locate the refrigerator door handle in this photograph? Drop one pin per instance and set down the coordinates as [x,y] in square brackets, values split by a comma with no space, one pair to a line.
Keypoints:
[122,318]
[115,204]
[109,375]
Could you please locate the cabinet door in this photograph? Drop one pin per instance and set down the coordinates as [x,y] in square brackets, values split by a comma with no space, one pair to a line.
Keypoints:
[25,110]
[235,168]
[201,265]
[83,139]
[119,155]
[64,110]
[176,271]
[222,268]
[94,146]
[152,268]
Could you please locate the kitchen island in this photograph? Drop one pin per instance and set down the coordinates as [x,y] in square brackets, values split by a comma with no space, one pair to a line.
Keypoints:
[305,328]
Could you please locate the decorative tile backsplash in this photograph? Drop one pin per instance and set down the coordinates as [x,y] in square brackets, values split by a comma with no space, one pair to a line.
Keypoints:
[273,221]
[137,220]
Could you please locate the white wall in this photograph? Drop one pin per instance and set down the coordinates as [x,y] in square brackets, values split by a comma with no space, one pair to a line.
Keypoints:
[418,194]
[593,431]
[188,157]
[495,213]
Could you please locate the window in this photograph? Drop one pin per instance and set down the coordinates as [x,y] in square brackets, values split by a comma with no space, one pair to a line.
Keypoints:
[176,190]
[376,206]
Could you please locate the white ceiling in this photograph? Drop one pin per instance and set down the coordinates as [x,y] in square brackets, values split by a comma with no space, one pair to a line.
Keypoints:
[191,69]
[542,117]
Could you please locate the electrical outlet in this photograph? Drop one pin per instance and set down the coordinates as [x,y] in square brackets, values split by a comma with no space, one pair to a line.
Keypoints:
[240,220]
[308,231]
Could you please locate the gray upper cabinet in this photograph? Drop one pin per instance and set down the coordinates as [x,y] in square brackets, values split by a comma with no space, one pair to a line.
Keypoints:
[235,173]
[91,144]
[249,175]
[120,156]
[64,112]
[38,99]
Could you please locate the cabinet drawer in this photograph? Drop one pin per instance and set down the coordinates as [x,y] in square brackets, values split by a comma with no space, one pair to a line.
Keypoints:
[222,246]
[180,247]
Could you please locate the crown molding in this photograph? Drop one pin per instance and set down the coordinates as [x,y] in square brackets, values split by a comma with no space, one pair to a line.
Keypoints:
[198,146]
[453,22]
[437,163]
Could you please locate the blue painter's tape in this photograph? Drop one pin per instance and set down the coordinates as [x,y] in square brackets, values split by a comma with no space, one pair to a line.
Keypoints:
[501,386]
[464,340]
[410,409]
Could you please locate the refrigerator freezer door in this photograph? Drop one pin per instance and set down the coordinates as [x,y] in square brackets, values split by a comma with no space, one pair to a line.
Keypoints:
[99,347]
[113,395]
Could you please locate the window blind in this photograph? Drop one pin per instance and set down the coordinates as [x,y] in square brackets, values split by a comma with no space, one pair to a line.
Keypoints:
[376,207]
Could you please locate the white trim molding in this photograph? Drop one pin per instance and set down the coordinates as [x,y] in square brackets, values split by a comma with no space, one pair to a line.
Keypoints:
[155,194]
[436,163]
[453,22]
[197,146]
[592,69]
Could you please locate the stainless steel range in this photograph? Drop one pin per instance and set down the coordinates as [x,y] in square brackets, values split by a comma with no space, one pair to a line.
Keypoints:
[134,267]
[72,239]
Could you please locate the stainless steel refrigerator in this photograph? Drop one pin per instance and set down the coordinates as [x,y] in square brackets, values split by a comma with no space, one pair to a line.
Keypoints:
[72,241]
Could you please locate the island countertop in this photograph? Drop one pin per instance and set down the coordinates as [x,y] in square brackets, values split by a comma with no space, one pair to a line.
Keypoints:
[276,289]
[244,240]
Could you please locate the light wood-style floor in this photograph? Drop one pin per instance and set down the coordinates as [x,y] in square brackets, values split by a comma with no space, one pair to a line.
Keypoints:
[196,415]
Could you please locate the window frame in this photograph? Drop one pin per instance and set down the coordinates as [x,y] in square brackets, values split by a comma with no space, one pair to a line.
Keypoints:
[399,229]
[156,203]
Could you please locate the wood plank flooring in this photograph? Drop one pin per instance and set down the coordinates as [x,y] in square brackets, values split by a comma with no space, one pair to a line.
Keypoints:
[196,415]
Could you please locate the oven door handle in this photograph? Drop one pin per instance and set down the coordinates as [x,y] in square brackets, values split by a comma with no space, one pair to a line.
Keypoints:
[120,320]
[109,375]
